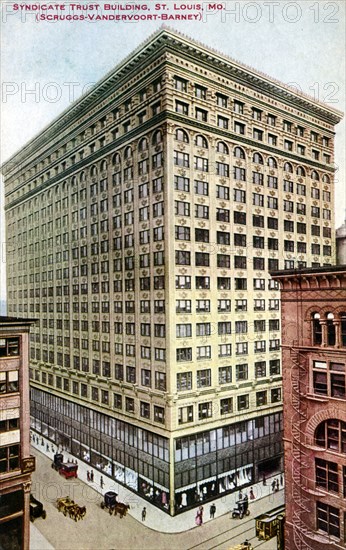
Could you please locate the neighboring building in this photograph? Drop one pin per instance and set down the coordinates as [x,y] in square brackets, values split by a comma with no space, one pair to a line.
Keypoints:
[16,464]
[141,226]
[341,244]
[314,369]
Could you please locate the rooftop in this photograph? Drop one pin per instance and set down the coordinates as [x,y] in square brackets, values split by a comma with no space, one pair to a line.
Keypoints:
[163,39]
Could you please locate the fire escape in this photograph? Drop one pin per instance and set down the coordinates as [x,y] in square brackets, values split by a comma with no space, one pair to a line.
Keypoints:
[300,465]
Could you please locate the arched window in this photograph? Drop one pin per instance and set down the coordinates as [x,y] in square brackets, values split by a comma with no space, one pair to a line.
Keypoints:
[143,145]
[74,180]
[316,329]
[331,334]
[103,166]
[239,153]
[157,137]
[116,159]
[257,158]
[200,141]
[288,167]
[272,162]
[128,153]
[221,147]
[300,171]
[315,176]
[82,176]
[181,135]
[326,179]
[331,434]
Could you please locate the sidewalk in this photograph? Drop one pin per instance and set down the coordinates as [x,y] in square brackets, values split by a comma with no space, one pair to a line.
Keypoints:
[37,540]
[156,519]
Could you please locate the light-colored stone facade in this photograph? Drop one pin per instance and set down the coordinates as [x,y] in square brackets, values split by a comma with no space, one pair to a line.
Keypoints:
[141,226]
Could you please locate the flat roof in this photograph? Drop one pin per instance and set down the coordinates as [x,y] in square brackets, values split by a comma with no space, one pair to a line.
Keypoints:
[5,320]
[308,271]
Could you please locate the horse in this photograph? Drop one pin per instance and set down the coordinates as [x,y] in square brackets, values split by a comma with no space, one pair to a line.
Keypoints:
[121,508]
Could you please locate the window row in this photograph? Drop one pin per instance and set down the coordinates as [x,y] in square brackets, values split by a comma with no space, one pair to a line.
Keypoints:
[225,406]
[226,374]
[224,350]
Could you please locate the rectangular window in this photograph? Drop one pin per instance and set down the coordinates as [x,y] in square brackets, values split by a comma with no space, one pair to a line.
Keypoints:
[181,159]
[328,519]
[183,306]
[184,381]
[222,192]
[257,134]
[327,475]
[243,402]
[180,84]
[221,100]
[185,414]
[222,122]
[203,378]
[226,405]
[201,164]
[225,375]
[201,114]
[181,184]
[205,410]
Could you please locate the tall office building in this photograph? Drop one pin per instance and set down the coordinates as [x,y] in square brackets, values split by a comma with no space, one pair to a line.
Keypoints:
[314,390]
[141,227]
[16,464]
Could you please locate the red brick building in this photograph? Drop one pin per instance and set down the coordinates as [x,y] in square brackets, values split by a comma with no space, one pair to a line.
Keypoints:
[16,464]
[314,370]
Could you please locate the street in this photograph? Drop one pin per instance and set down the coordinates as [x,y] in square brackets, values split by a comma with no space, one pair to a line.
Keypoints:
[98,530]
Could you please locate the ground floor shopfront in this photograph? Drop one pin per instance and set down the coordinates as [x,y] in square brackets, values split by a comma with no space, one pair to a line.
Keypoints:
[173,474]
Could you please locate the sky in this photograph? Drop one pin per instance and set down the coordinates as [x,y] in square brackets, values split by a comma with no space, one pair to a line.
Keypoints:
[46,65]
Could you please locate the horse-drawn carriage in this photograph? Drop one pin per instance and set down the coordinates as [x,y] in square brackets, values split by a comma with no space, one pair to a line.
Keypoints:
[113,506]
[67,506]
[36,509]
[66,469]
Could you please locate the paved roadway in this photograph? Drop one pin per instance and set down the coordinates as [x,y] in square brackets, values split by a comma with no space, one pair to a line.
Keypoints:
[100,531]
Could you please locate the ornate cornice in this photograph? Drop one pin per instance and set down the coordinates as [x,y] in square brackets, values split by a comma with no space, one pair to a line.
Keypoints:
[168,40]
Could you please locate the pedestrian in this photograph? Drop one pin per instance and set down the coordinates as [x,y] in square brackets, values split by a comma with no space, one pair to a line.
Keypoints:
[101,482]
[277,485]
[281,480]
[88,475]
[273,485]
[240,496]
[199,516]
[92,476]
[251,493]
[144,513]
[212,511]
[264,480]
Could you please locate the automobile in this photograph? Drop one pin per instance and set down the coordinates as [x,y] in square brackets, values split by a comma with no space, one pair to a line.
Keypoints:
[36,509]
[57,461]
[68,469]
[242,509]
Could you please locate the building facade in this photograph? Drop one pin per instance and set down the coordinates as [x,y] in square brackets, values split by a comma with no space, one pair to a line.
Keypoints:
[314,369]
[341,244]
[141,227]
[16,464]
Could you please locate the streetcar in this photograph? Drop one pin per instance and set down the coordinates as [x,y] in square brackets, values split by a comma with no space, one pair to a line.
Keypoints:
[269,524]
